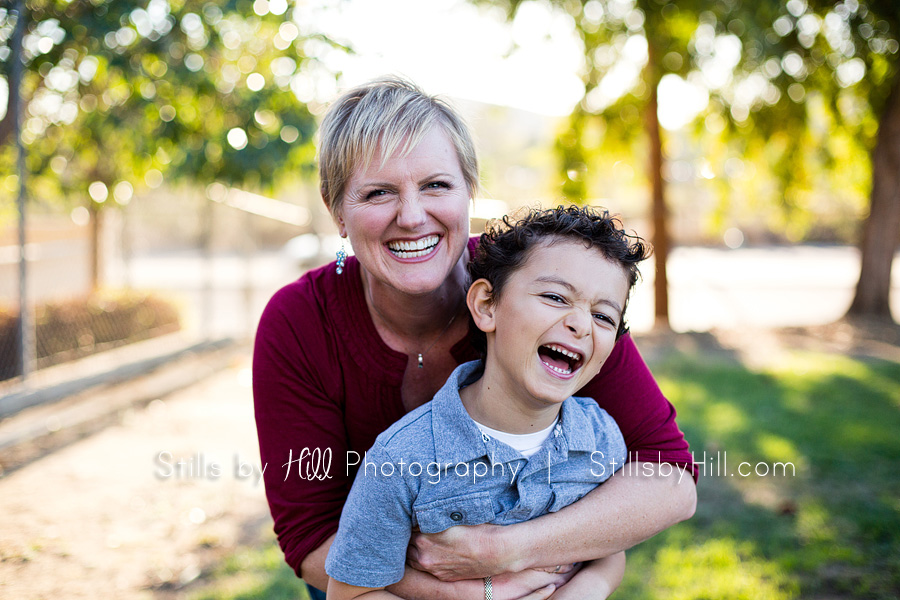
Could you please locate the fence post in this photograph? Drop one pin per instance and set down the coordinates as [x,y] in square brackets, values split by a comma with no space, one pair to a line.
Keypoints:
[26,344]
[249,249]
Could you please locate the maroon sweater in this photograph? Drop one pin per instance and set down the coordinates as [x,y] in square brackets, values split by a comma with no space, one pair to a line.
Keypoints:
[324,379]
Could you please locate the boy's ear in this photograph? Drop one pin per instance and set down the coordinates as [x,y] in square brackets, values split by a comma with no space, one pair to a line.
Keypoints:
[480,301]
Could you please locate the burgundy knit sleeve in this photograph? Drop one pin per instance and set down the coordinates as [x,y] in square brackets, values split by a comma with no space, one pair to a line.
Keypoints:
[296,394]
[626,389]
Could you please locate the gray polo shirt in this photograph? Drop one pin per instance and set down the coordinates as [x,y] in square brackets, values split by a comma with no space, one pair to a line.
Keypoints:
[434,469]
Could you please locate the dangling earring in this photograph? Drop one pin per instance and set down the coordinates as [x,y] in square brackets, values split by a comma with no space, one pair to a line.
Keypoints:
[341,258]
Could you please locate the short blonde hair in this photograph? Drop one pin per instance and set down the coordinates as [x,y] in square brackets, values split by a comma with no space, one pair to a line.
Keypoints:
[387,114]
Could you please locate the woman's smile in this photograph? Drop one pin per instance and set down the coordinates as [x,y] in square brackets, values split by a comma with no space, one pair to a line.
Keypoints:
[414,249]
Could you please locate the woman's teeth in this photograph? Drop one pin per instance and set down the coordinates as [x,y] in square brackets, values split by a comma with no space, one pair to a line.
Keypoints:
[419,247]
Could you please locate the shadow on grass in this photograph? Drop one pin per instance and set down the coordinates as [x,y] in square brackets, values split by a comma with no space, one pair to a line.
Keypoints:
[823,523]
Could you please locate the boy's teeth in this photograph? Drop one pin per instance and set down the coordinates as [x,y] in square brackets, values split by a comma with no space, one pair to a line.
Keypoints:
[563,351]
[558,370]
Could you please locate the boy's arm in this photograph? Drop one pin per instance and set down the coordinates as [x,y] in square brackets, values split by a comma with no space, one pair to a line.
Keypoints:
[596,580]
[369,549]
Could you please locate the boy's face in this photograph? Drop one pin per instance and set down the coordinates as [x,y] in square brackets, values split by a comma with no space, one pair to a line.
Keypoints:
[555,322]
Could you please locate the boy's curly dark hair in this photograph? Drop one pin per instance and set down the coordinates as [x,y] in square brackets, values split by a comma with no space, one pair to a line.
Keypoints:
[504,247]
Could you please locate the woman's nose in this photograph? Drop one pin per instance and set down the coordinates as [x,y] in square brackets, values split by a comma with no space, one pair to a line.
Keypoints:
[410,212]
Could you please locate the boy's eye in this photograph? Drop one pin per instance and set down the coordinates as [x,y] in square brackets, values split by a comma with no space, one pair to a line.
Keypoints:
[605,319]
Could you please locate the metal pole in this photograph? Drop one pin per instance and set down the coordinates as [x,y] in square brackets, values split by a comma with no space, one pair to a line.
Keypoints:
[26,346]
[249,248]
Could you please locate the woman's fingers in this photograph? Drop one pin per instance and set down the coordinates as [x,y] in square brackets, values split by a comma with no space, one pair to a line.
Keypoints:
[559,568]
[541,594]
[457,553]
[530,583]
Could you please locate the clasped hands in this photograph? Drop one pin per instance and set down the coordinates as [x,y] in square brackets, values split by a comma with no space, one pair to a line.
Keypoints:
[474,552]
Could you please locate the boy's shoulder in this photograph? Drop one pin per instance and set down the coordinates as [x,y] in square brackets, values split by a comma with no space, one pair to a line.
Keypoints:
[412,433]
[586,413]
[586,404]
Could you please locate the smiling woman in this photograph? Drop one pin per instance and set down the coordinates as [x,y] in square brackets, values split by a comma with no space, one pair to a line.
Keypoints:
[338,355]
[407,216]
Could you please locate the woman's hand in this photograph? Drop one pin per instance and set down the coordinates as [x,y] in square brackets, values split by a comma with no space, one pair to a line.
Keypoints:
[595,581]
[530,584]
[462,552]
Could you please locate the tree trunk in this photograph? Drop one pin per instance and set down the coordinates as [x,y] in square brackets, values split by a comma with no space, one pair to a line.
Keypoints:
[881,231]
[659,211]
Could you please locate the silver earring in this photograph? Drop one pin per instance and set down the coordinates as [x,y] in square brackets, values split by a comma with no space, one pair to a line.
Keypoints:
[341,258]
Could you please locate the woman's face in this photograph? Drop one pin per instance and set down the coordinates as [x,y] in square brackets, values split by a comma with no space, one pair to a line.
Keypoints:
[408,217]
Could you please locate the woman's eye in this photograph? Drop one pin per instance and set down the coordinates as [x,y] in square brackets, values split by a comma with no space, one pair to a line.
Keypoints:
[553,298]
[375,194]
[435,185]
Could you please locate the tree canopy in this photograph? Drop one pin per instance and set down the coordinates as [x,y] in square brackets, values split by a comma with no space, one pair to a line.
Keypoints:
[801,86]
[123,95]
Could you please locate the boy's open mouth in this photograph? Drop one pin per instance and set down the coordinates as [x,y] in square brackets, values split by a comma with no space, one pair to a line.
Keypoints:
[559,359]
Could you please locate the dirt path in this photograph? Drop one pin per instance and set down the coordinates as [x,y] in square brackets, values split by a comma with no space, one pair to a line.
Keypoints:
[108,517]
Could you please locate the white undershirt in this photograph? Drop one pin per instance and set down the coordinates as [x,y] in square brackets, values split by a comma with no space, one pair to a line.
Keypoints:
[526,443]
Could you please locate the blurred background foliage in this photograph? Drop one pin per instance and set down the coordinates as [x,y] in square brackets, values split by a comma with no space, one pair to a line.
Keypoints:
[129,95]
[789,100]
[780,106]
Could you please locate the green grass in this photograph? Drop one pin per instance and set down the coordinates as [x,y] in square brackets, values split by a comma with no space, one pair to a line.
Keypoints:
[250,574]
[830,530]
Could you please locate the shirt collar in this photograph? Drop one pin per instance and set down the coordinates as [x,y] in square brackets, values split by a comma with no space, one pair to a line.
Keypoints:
[458,439]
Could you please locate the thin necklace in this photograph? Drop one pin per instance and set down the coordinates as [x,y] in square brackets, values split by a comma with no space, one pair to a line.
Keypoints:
[421,355]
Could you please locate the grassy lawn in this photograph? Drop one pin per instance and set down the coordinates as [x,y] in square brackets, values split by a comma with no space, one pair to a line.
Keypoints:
[830,529]
[253,573]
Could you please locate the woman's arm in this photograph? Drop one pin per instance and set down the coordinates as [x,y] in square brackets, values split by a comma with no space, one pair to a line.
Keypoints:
[299,419]
[629,508]
[529,584]
[626,510]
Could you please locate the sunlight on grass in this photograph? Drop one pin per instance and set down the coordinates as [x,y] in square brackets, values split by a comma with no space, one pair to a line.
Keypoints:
[833,529]
[728,417]
[717,568]
[774,448]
